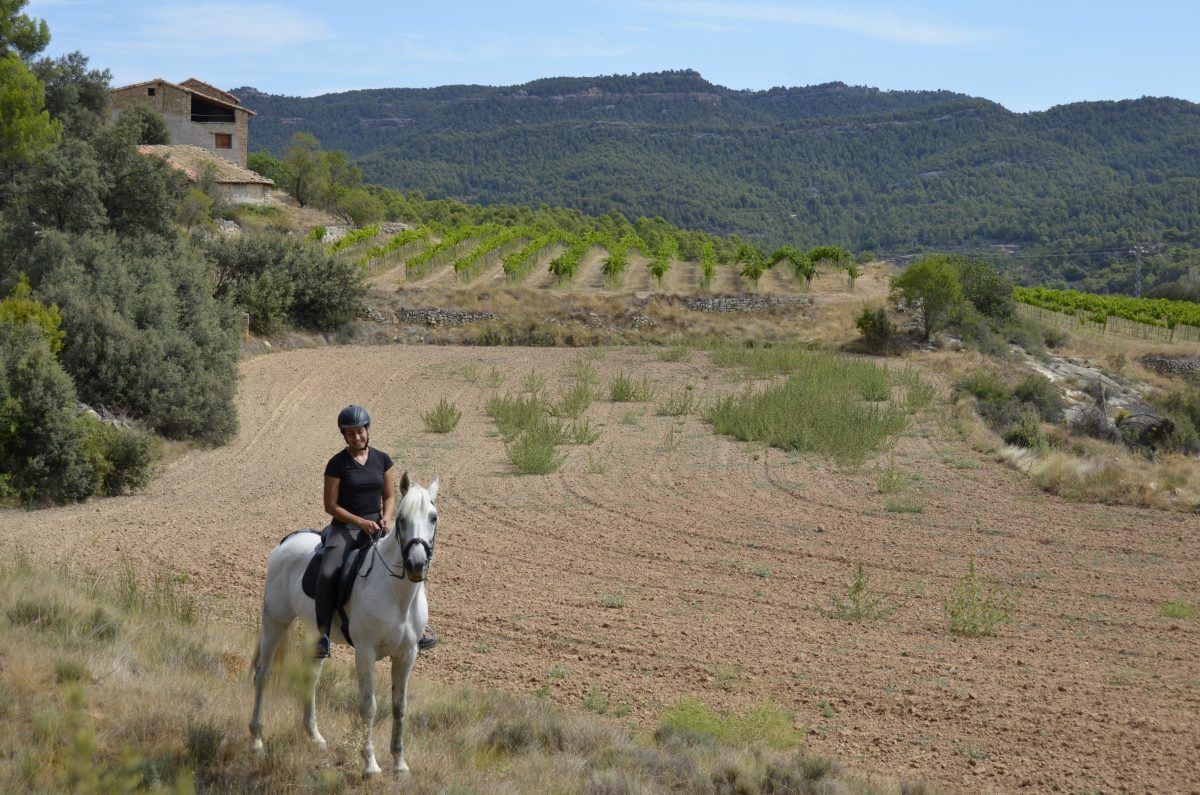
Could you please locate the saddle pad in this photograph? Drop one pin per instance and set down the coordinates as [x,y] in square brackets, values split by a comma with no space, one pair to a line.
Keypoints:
[350,566]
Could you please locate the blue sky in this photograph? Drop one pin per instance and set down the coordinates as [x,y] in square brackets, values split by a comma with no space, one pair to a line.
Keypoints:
[1025,55]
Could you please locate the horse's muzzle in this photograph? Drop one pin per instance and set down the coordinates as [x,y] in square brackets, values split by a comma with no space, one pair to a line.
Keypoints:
[417,570]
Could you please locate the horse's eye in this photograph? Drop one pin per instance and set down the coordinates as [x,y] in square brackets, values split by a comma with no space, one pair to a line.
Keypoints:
[433,518]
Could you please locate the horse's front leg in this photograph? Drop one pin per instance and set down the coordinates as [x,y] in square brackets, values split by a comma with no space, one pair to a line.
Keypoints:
[364,662]
[401,667]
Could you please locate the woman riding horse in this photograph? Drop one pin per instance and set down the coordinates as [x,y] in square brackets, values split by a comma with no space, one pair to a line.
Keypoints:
[360,498]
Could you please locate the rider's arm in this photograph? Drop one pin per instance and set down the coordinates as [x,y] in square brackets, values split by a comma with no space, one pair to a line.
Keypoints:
[339,513]
[389,498]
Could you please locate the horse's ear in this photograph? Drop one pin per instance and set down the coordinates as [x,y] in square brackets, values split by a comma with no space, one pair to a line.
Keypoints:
[433,489]
[404,483]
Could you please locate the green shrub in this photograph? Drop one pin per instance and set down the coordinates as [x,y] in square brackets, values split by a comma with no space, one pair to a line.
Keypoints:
[621,389]
[976,610]
[514,414]
[1041,393]
[984,385]
[581,432]
[123,458]
[1179,608]
[442,418]
[533,451]
[580,369]
[204,742]
[69,670]
[860,603]
[819,410]
[877,330]
[43,447]
[677,403]
[20,309]
[144,332]
[675,353]
[573,401]
[1026,433]
[692,722]
[267,299]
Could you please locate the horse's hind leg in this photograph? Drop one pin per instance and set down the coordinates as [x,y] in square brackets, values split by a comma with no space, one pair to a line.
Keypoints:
[310,708]
[273,632]
[401,668]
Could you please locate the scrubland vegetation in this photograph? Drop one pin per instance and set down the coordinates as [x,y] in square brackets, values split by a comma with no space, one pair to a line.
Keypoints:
[114,685]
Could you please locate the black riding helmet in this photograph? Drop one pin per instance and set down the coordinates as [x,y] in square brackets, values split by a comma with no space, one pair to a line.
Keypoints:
[353,416]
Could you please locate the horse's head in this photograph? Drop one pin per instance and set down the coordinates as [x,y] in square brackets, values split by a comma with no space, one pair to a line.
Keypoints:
[416,527]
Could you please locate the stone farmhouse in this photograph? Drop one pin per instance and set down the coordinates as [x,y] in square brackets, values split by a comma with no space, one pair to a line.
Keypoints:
[196,113]
[208,132]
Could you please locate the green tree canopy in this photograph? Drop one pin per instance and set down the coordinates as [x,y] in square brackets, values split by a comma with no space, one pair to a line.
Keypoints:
[930,286]
[143,125]
[305,169]
[26,128]
[20,310]
[21,34]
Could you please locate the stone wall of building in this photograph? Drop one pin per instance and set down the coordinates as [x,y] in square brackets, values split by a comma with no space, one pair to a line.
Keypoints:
[244,194]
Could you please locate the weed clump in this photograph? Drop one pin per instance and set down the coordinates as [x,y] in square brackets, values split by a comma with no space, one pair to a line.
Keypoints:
[442,418]
[810,414]
[622,389]
[860,602]
[975,610]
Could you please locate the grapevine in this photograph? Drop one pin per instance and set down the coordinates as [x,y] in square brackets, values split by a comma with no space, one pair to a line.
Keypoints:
[1159,312]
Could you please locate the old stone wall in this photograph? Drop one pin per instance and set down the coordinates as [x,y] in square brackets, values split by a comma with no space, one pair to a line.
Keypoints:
[1172,365]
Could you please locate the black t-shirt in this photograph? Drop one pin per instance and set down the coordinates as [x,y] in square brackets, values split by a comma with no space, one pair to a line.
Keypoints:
[361,489]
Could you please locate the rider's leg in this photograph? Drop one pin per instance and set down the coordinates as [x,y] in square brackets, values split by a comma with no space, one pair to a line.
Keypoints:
[337,541]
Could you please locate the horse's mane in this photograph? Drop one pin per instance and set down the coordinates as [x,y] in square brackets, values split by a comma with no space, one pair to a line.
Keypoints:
[414,500]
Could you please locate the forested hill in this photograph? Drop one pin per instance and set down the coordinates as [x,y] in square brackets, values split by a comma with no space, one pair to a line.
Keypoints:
[1076,187]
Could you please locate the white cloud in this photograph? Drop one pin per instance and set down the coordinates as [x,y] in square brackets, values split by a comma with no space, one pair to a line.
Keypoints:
[227,28]
[879,25]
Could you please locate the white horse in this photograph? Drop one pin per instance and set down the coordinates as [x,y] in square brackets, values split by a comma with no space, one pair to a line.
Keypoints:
[387,615]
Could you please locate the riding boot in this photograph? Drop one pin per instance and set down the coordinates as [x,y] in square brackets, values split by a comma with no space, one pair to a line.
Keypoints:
[428,640]
[323,646]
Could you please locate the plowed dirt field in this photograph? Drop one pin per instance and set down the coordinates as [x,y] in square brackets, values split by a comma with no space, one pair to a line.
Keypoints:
[664,561]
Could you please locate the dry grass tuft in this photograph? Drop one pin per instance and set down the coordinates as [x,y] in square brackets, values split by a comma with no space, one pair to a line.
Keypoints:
[1112,477]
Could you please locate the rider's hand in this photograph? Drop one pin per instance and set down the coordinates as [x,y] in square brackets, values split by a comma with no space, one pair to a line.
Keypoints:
[369,527]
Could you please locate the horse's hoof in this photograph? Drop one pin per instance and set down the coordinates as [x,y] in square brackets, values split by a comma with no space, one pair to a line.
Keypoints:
[320,743]
[400,769]
[372,772]
[256,745]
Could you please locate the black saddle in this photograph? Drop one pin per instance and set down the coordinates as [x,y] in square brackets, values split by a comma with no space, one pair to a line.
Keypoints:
[351,565]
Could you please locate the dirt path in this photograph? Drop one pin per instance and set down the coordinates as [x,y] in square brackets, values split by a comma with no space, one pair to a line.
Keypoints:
[721,555]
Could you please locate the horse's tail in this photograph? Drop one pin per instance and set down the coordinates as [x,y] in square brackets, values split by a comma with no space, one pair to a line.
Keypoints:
[277,661]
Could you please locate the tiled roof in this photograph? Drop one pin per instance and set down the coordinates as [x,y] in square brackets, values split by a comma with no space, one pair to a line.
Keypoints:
[191,160]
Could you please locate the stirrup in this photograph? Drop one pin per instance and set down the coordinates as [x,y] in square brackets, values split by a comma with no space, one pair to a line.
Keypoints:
[428,640]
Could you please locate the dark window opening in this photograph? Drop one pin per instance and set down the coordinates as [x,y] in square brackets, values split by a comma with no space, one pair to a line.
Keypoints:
[205,111]
[149,92]
[223,140]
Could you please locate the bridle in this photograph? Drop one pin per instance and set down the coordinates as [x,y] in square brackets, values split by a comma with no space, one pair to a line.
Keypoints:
[404,550]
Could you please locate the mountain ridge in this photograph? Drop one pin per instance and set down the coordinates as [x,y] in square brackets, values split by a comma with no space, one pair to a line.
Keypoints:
[892,171]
